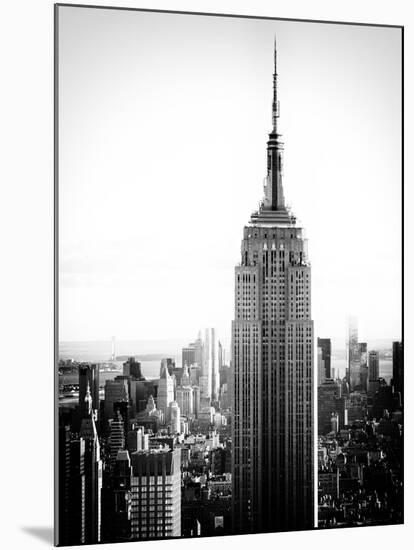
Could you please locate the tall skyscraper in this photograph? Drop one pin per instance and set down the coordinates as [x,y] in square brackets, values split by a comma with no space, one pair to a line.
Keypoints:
[363,369]
[165,392]
[116,440]
[77,510]
[188,355]
[320,367]
[196,400]
[117,497]
[210,376]
[64,484]
[272,354]
[205,390]
[373,372]
[213,355]
[199,350]
[93,473]
[354,356]
[89,374]
[325,345]
[221,355]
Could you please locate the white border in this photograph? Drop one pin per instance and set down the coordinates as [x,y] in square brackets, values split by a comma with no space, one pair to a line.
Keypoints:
[26,37]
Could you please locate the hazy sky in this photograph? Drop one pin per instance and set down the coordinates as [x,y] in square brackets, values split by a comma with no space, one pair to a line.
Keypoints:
[162,154]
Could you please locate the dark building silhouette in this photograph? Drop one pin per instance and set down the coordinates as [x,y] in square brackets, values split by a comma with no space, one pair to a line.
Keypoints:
[373,372]
[71,480]
[220,460]
[125,411]
[89,374]
[64,478]
[141,392]
[397,368]
[77,493]
[272,355]
[385,399]
[117,501]
[132,368]
[356,405]
[93,474]
[325,345]
[116,440]
[330,400]
[116,391]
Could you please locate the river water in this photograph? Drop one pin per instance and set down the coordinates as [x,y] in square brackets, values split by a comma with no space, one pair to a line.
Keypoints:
[99,352]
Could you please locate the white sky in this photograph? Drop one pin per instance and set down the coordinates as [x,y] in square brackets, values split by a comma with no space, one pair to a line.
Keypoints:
[163,127]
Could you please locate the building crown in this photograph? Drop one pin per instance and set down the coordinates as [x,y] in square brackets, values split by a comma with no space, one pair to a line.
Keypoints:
[273,210]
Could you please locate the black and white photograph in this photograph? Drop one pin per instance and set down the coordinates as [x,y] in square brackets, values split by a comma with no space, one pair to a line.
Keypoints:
[228,265]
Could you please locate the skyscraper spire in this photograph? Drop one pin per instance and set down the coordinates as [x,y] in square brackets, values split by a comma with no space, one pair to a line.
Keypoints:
[275,104]
[273,209]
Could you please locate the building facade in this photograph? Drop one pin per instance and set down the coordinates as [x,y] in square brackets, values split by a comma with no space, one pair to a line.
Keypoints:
[324,344]
[373,372]
[196,400]
[89,374]
[363,369]
[93,474]
[165,392]
[188,355]
[330,400]
[116,524]
[116,391]
[211,360]
[185,400]
[209,376]
[116,440]
[272,354]
[156,494]
[320,367]
[175,418]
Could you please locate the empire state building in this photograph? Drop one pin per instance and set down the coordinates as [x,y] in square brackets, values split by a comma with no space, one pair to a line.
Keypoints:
[272,352]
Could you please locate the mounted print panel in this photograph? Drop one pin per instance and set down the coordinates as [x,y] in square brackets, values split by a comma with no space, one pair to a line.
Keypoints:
[229,355]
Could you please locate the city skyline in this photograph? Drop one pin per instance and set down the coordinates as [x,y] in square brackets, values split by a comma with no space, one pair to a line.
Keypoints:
[101,285]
